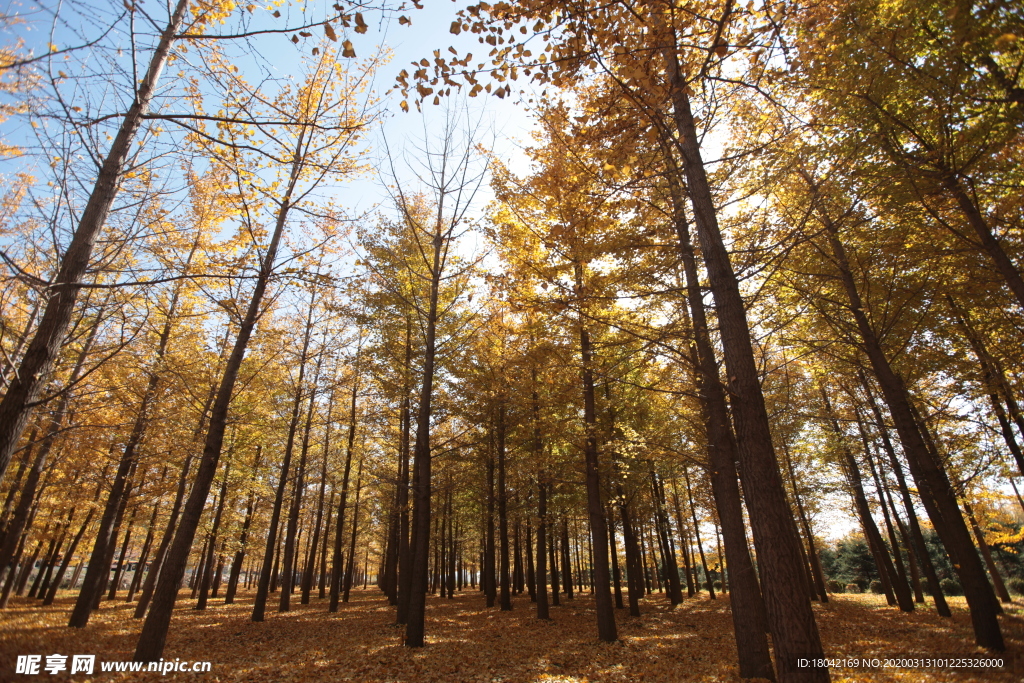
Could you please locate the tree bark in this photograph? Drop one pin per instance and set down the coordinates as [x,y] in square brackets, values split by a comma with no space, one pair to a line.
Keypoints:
[204,588]
[616,573]
[506,573]
[37,363]
[337,561]
[489,584]
[606,629]
[414,631]
[919,547]
[675,594]
[542,556]
[936,492]
[355,533]
[989,243]
[790,618]
[19,523]
[901,571]
[51,593]
[895,590]
[250,511]
[816,571]
[993,571]
[154,630]
[298,488]
[310,574]
[696,532]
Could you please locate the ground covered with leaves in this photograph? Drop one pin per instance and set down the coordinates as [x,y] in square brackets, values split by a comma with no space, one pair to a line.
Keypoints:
[468,642]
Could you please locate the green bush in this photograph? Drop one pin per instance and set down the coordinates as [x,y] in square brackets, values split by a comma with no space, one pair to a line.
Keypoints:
[876,587]
[1016,585]
[834,586]
[950,587]
[853,588]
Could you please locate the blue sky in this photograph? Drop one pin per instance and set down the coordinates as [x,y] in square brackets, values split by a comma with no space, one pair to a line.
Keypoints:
[505,122]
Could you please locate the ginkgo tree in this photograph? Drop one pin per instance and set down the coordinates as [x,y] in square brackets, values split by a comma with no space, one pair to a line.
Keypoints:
[329,114]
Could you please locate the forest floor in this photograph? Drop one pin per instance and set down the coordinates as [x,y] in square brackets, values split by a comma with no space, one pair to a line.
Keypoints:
[468,642]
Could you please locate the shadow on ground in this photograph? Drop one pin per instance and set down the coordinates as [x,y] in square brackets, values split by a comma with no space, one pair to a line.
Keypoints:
[468,642]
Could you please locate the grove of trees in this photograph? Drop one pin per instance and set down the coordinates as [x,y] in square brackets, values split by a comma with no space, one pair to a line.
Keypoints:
[763,263]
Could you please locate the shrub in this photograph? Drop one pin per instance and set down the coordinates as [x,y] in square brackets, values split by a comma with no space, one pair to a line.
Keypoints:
[876,587]
[854,588]
[834,586]
[717,585]
[950,587]
[1016,585]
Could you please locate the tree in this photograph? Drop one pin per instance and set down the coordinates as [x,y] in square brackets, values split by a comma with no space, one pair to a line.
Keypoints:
[328,121]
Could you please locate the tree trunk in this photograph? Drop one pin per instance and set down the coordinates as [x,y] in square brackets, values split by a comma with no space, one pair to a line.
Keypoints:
[993,382]
[42,352]
[606,629]
[337,561]
[919,547]
[634,580]
[553,563]
[993,571]
[51,594]
[531,568]
[895,590]
[989,243]
[901,571]
[324,573]
[204,588]
[250,511]
[116,581]
[355,532]
[506,573]
[542,557]
[165,541]
[414,630]
[154,631]
[565,547]
[30,491]
[147,546]
[310,574]
[403,548]
[490,592]
[616,574]
[816,572]
[518,571]
[790,618]
[696,532]
[298,488]
[675,594]
[936,493]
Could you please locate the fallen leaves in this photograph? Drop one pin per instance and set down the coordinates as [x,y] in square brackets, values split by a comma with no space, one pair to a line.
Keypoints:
[468,642]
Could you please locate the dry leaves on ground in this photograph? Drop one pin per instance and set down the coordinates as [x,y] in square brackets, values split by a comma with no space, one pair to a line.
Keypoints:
[468,642]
